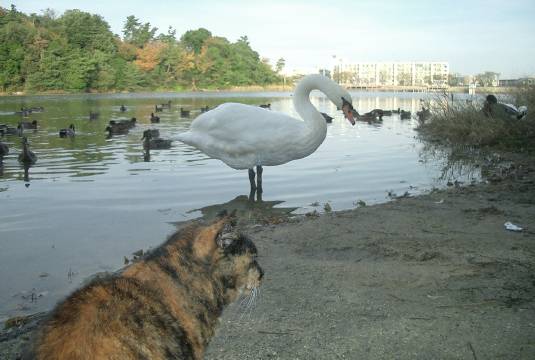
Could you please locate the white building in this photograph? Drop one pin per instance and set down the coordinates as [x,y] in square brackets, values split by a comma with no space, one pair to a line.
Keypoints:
[378,74]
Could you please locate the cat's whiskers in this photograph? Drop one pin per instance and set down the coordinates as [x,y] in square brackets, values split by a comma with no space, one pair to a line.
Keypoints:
[248,304]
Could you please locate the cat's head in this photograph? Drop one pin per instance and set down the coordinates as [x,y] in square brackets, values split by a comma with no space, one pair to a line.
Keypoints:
[234,258]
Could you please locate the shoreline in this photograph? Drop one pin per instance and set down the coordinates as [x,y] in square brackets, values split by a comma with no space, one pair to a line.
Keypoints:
[431,276]
[273,88]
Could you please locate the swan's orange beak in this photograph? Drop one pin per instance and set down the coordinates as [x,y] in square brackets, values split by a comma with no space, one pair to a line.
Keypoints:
[347,109]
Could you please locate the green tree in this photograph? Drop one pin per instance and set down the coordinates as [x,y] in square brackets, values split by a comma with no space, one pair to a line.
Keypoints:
[51,71]
[193,40]
[169,38]
[86,31]
[137,33]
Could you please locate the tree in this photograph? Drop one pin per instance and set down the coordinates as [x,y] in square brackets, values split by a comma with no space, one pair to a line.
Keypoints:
[280,65]
[170,37]
[86,31]
[455,79]
[149,56]
[193,40]
[77,52]
[488,78]
[136,33]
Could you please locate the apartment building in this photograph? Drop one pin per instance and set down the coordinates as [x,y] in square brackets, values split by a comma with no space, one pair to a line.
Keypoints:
[378,74]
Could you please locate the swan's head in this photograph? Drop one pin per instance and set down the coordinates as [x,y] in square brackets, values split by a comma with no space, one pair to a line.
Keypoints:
[343,101]
[347,109]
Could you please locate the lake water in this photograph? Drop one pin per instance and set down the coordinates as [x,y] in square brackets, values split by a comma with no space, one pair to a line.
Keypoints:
[91,200]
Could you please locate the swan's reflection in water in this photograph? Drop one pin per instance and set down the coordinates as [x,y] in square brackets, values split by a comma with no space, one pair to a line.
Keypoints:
[249,209]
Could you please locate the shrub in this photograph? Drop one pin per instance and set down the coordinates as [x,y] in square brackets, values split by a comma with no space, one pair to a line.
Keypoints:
[464,123]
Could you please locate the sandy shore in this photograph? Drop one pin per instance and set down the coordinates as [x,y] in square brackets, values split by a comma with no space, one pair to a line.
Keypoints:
[431,277]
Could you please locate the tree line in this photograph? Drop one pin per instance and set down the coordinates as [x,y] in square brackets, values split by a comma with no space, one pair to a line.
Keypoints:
[77,52]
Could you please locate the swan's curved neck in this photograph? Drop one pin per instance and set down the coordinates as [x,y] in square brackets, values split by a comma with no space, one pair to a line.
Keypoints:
[315,122]
[302,102]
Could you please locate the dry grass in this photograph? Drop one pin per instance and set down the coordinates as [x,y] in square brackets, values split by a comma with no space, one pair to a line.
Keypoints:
[465,124]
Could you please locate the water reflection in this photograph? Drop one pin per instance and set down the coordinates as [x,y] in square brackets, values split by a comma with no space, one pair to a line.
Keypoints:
[250,209]
[459,164]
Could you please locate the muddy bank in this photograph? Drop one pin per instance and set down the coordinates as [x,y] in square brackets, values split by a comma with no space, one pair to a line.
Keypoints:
[435,276]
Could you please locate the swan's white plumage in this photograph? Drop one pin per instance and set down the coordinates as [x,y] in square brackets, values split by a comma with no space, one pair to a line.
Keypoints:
[244,136]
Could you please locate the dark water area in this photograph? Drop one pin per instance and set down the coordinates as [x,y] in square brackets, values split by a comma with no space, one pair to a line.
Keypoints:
[90,200]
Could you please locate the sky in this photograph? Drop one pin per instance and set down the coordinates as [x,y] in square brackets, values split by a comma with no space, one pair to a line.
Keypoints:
[472,35]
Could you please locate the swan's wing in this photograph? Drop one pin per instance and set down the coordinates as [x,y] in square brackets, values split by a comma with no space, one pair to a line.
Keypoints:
[232,122]
[243,136]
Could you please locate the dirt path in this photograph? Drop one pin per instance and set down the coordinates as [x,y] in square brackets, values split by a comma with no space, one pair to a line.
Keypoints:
[431,277]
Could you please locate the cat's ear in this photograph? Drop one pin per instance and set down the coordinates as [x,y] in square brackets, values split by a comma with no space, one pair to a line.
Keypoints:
[232,217]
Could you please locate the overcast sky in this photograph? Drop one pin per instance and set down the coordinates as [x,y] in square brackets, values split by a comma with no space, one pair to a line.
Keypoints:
[472,35]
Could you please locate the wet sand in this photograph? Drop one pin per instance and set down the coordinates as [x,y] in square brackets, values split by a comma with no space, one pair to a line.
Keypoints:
[431,277]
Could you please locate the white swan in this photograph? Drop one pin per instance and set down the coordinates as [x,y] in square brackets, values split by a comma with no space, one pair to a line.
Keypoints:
[244,136]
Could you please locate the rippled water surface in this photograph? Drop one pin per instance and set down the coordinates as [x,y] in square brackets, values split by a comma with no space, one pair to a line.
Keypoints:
[91,200]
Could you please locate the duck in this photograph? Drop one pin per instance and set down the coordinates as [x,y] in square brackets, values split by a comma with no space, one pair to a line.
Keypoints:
[368,117]
[124,123]
[23,111]
[122,108]
[150,143]
[403,115]
[68,132]
[4,150]
[27,156]
[93,115]
[116,129]
[266,106]
[184,113]
[154,119]
[154,133]
[247,136]
[28,124]
[14,131]
[205,109]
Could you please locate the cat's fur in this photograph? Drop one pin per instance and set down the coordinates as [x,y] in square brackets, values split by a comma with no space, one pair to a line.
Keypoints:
[165,306]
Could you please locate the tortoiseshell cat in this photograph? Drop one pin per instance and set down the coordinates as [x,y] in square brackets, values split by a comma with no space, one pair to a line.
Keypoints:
[165,306]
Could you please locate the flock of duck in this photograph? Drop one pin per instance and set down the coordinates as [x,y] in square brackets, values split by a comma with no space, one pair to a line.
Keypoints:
[151,137]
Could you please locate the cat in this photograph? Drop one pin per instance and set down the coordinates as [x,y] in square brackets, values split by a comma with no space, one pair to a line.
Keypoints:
[165,306]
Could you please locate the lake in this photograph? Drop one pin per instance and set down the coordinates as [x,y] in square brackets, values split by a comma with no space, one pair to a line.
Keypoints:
[91,200]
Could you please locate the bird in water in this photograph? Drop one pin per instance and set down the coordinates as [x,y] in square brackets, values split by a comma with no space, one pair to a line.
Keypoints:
[154,119]
[28,124]
[4,150]
[27,156]
[245,136]
[151,141]
[68,132]
[154,142]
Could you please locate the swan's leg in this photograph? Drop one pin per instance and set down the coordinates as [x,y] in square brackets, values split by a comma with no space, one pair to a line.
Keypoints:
[259,171]
[251,179]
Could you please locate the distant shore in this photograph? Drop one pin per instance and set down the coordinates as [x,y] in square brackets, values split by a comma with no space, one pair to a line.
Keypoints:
[274,88]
